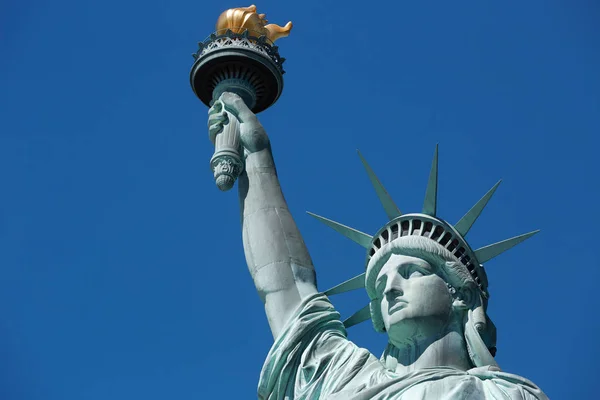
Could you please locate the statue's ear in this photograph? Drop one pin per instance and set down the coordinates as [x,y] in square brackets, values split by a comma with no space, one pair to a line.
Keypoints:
[464,299]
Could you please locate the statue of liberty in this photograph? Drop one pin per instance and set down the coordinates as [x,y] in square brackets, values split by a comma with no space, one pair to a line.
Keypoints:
[428,291]
[427,288]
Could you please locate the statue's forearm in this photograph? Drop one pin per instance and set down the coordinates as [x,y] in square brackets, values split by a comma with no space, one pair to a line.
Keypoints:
[275,252]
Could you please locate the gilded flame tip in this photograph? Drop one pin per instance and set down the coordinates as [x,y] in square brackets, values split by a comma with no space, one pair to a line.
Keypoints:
[242,19]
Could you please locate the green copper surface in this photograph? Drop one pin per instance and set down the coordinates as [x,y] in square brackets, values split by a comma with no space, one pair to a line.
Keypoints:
[358,282]
[425,296]
[362,315]
[430,203]
[486,253]
[464,225]
[389,206]
[357,236]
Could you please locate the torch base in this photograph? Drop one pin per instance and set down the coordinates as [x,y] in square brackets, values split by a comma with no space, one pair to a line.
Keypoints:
[241,64]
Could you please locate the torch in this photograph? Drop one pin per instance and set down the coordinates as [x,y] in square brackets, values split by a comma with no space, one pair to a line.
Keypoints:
[239,57]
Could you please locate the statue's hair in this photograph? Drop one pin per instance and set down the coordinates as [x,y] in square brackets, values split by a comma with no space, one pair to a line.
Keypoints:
[445,263]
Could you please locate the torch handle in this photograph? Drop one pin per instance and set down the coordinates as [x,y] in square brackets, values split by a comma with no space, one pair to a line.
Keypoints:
[227,162]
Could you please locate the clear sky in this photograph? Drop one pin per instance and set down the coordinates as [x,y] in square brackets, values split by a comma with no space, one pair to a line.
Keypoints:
[122,274]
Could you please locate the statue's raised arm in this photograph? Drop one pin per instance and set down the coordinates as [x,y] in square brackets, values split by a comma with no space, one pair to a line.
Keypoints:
[277,257]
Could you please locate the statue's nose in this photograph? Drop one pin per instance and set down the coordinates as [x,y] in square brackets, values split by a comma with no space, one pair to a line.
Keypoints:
[394,287]
[393,293]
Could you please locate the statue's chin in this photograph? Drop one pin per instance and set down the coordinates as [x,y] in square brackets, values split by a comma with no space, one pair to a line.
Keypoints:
[404,331]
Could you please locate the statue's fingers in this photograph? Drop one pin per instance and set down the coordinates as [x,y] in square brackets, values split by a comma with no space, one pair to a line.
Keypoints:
[235,105]
[216,108]
[229,98]
[218,118]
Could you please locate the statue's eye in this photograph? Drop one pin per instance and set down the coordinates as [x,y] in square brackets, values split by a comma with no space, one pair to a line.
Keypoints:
[414,271]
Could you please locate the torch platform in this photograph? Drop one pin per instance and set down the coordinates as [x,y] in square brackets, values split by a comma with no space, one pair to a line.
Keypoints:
[240,63]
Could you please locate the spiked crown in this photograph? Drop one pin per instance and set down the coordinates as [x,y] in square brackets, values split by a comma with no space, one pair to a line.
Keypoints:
[425,225]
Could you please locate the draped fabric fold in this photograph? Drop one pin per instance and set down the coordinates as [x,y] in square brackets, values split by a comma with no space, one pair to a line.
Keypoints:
[313,359]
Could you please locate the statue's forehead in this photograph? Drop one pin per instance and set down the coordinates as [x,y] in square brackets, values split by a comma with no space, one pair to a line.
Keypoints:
[396,261]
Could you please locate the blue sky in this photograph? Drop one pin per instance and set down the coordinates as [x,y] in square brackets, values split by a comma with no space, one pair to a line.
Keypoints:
[122,273]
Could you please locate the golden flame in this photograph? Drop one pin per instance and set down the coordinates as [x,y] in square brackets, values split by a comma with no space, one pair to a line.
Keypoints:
[245,18]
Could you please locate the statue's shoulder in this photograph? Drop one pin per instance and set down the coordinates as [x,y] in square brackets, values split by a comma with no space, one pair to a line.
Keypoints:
[439,383]
[518,386]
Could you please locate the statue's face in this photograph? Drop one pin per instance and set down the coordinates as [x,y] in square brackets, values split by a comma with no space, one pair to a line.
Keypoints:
[415,300]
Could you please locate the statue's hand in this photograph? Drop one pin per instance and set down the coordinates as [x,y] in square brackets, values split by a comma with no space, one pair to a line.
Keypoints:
[252,134]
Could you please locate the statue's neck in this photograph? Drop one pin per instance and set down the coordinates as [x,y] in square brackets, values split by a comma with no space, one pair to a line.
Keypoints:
[446,350]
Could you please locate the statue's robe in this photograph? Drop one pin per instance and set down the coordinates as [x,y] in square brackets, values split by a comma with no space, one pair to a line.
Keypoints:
[313,359]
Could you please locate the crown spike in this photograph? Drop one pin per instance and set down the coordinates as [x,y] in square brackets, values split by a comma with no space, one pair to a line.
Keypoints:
[389,206]
[362,315]
[486,253]
[358,282]
[430,203]
[466,222]
[359,237]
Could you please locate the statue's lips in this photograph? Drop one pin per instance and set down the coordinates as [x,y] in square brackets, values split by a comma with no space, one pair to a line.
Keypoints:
[397,305]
